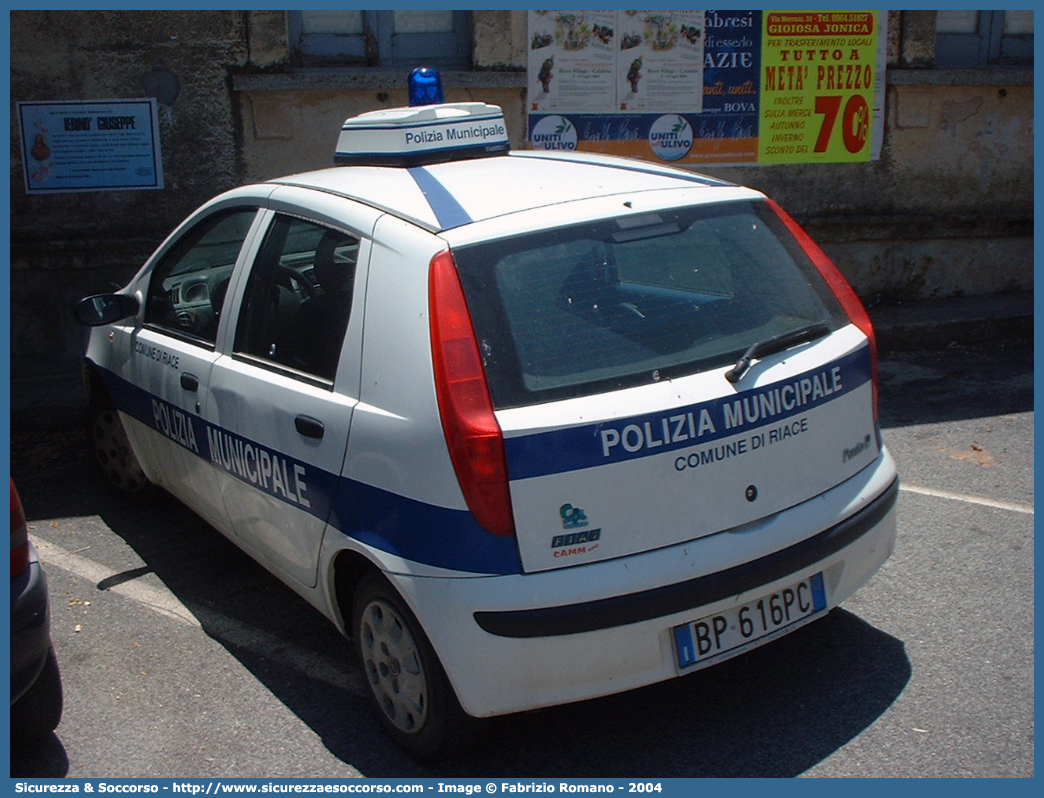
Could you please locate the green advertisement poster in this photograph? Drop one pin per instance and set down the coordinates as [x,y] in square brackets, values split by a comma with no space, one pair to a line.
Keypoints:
[817,86]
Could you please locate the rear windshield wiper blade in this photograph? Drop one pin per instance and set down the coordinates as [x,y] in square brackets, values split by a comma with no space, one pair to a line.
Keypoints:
[777,343]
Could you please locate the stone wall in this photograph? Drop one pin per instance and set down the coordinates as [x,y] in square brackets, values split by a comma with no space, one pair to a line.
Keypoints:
[952,191]
[65,246]
[946,211]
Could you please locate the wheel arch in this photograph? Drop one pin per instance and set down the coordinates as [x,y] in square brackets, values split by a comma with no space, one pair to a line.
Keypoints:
[349,569]
[94,386]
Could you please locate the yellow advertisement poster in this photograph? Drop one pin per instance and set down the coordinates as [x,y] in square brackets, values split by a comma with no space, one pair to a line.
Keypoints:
[817,86]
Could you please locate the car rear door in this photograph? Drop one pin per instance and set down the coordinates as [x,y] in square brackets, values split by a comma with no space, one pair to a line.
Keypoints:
[281,399]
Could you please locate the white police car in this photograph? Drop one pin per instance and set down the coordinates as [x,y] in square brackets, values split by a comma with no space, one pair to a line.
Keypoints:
[528,427]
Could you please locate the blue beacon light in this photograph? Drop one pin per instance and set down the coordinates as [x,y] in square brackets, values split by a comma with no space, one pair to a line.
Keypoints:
[425,86]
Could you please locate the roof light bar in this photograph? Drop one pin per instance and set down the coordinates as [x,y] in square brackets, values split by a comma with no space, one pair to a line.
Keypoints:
[429,131]
[422,135]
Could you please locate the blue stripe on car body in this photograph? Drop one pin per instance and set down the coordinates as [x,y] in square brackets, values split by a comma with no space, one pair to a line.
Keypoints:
[414,530]
[445,537]
[581,447]
[443,204]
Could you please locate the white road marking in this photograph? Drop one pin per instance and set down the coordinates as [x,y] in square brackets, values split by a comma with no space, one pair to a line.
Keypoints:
[315,666]
[159,600]
[1015,507]
[222,628]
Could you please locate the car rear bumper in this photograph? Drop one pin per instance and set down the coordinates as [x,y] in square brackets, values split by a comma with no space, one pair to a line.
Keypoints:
[699,592]
[30,626]
[513,643]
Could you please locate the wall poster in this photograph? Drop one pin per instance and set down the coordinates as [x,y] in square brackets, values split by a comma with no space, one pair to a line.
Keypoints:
[94,145]
[709,87]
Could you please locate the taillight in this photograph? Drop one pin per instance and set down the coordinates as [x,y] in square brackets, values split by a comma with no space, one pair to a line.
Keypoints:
[473,436]
[19,535]
[838,285]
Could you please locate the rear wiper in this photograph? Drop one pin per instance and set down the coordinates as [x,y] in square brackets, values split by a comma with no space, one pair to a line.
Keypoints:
[777,343]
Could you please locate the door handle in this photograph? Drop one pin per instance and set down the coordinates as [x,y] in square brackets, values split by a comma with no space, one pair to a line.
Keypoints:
[190,382]
[309,427]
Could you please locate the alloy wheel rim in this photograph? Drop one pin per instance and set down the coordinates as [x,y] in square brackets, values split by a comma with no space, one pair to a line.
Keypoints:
[393,666]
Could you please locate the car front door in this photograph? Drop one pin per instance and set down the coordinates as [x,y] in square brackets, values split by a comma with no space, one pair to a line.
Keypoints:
[174,350]
[281,401]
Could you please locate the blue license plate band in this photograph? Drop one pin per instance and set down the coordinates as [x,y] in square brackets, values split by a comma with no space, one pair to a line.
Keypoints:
[715,636]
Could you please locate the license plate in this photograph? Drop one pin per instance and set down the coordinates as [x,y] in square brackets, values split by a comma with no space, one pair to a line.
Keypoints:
[715,636]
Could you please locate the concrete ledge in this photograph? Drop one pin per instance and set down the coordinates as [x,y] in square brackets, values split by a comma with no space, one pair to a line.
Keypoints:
[962,320]
[377,78]
[374,79]
[996,76]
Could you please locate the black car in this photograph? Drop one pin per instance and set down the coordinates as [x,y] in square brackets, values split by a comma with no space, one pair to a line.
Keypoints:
[36,684]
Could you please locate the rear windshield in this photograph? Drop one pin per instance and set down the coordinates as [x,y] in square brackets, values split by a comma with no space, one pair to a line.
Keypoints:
[585,309]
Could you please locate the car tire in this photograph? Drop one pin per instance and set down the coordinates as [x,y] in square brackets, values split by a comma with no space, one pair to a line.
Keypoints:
[112,455]
[409,688]
[38,712]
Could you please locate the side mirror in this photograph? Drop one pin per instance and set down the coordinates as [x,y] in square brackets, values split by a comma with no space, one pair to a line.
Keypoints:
[96,311]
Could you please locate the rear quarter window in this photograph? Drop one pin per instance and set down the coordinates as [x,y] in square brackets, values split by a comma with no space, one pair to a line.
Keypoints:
[584,309]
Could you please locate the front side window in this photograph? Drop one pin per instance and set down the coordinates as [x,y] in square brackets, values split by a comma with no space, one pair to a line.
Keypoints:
[626,302]
[189,285]
[380,38]
[299,297]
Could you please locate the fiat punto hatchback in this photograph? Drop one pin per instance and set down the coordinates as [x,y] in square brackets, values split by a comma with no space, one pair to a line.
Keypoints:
[528,427]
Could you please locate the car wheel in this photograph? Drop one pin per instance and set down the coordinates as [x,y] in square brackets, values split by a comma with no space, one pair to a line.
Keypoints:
[414,699]
[38,712]
[112,454]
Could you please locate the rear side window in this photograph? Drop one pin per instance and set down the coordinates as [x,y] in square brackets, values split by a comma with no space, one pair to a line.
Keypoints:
[625,302]
[299,297]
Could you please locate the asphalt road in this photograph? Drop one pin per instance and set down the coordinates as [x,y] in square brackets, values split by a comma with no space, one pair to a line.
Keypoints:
[182,658]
